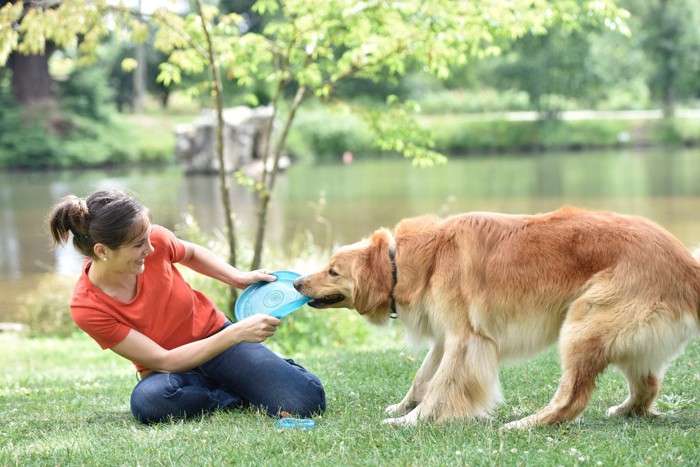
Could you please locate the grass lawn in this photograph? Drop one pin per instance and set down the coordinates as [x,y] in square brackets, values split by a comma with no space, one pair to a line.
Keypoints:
[65,402]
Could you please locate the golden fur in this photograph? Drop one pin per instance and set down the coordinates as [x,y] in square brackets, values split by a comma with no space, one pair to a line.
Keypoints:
[486,287]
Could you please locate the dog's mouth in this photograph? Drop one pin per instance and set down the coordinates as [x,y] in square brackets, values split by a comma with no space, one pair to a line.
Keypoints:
[326,301]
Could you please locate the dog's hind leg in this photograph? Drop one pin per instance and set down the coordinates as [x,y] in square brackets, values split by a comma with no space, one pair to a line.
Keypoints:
[583,356]
[645,351]
[643,391]
[465,384]
[420,383]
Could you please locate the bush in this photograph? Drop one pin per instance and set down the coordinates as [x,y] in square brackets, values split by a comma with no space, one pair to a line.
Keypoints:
[46,309]
[321,133]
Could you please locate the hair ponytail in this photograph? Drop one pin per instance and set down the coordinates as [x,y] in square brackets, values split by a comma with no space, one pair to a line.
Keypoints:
[71,216]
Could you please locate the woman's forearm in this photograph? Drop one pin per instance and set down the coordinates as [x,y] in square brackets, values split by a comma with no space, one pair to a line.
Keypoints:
[195,353]
[139,348]
[205,262]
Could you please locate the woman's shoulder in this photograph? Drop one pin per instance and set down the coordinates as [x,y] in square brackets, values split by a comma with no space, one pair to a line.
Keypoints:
[165,242]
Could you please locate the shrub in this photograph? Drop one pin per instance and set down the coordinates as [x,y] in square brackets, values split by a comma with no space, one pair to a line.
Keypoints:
[321,133]
[46,309]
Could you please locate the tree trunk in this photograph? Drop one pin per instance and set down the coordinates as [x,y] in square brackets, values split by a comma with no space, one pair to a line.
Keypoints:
[224,180]
[31,82]
[140,79]
[270,184]
[669,35]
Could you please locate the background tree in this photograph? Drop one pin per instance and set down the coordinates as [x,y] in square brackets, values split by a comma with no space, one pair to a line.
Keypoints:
[551,68]
[671,39]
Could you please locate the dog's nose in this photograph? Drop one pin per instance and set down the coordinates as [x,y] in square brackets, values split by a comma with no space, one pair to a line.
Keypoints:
[298,282]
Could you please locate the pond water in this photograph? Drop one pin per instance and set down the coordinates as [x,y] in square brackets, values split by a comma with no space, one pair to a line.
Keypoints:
[338,203]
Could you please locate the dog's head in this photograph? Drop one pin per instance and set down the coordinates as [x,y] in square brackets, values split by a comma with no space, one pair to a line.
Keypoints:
[358,276]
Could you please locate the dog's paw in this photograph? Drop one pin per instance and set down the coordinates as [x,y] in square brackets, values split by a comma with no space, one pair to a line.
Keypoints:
[521,424]
[625,410]
[407,420]
[618,411]
[396,410]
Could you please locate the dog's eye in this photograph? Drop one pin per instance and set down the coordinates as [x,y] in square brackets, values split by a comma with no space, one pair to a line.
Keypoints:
[332,273]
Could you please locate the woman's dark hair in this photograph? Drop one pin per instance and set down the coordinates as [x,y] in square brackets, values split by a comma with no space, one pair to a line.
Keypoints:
[111,217]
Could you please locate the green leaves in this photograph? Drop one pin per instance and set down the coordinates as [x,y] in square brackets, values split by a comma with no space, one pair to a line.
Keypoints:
[397,130]
[9,36]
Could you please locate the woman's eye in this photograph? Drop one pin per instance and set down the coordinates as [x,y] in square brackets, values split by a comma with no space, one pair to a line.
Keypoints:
[332,273]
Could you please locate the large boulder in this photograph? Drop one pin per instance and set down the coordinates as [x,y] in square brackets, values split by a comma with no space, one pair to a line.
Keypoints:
[245,130]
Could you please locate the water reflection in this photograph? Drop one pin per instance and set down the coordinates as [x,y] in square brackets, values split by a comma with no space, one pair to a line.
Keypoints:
[343,203]
[9,246]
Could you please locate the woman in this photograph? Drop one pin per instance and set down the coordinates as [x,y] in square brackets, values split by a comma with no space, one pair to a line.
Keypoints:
[131,299]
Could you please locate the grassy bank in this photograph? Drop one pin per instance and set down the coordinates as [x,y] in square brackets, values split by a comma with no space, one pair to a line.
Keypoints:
[321,134]
[65,402]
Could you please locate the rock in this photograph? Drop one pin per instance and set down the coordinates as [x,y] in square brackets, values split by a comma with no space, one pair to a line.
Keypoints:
[245,130]
[13,327]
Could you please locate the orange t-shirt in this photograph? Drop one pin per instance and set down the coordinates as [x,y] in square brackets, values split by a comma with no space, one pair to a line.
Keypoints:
[164,308]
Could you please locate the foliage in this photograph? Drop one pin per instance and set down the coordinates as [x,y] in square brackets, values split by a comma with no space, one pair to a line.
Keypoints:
[325,134]
[599,68]
[23,141]
[669,37]
[62,398]
[86,93]
[549,65]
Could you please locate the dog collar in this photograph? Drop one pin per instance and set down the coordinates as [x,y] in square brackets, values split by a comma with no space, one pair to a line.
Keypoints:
[394,276]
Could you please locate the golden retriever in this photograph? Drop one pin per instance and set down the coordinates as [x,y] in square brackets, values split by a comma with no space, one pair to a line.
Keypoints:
[486,287]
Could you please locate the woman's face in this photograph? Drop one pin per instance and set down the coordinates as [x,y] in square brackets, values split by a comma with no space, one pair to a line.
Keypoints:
[129,258]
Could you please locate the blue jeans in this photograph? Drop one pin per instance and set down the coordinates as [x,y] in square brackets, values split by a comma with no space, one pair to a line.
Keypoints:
[245,375]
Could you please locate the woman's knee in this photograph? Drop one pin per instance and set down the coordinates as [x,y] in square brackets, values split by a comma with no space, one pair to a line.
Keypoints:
[152,399]
[305,402]
[314,402]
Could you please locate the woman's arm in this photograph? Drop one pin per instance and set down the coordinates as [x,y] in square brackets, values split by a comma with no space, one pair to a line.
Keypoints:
[141,349]
[206,262]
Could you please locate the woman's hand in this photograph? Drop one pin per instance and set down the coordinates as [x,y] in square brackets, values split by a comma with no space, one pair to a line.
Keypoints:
[256,328]
[251,277]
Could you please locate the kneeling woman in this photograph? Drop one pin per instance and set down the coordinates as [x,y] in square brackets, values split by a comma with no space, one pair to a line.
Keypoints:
[131,299]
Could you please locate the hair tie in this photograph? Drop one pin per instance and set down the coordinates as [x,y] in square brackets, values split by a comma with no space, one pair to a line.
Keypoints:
[79,236]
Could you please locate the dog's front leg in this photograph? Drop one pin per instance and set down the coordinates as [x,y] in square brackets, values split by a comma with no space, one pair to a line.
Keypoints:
[465,384]
[420,383]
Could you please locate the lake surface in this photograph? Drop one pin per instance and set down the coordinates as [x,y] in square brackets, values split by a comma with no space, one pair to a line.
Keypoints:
[338,203]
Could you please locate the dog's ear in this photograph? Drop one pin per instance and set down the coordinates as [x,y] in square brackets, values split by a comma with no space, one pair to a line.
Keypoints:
[373,275]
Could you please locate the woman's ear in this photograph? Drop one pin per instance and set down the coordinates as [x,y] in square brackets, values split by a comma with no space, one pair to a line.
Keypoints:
[100,251]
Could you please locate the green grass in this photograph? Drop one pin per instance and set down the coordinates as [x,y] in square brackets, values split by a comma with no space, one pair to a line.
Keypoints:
[65,402]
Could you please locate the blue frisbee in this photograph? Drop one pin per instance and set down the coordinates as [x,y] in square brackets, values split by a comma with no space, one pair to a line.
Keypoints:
[277,298]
